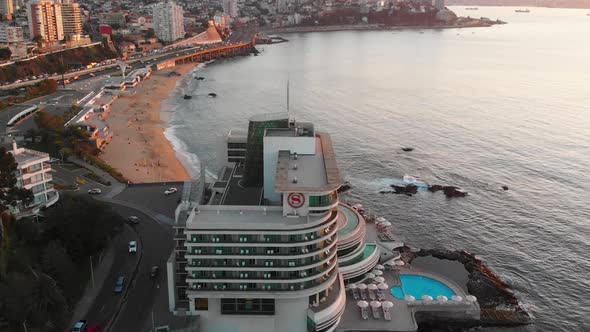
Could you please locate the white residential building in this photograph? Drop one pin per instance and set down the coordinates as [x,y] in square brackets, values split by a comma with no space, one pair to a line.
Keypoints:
[168,21]
[7,8]
[10,34]
[71,18]
[45,20]
[34,173]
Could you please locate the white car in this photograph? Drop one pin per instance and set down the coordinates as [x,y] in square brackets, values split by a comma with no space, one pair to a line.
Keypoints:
[170,191]
[132,247]
[94,191]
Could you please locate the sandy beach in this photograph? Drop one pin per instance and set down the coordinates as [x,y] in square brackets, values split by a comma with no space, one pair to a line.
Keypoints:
[139,149]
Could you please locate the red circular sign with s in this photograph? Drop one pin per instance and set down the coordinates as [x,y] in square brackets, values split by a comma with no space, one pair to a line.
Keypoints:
[296,200]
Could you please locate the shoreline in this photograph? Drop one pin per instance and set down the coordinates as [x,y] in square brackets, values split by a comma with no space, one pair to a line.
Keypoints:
[140,149]
[373,27]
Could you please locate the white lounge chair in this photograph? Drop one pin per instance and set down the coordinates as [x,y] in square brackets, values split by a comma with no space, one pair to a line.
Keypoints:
[386,313]
[364,313]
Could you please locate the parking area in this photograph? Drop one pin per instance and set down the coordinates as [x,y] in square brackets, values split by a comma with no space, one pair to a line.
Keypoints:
[151,196]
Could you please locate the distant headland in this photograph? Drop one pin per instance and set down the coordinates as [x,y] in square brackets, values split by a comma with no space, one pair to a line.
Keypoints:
[527,3]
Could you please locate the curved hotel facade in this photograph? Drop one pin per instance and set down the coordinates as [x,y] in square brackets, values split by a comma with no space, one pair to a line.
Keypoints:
[268,246]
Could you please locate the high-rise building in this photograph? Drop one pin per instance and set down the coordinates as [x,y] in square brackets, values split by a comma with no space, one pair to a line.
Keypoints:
[7,8]
[168,21]
[71,18]
[230,7]
[439,4]
[268,246]
[10,34]
[45,20]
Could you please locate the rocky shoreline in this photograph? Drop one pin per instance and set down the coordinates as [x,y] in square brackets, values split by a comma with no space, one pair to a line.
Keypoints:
[499,306]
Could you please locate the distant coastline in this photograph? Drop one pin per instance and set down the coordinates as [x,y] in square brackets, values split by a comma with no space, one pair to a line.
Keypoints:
[574,4]
[377,27]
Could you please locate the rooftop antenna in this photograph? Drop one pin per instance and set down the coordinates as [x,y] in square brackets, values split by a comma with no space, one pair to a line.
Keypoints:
[288,103]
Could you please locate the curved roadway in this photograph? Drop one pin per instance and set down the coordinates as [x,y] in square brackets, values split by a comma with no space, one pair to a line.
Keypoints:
[135,303]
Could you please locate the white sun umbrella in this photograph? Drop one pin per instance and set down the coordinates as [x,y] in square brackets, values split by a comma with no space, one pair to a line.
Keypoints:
[379,267]
[379,280]
[362,286]
[456,298]
[442,298]
[427,298]
[386,224]
[399,263]
[372,287]
[352,286]
[381,219]
[470,298]
[409,298]
[383,286]
[362,304]
[370,275]
[378,272]
[375,304]
[387,304]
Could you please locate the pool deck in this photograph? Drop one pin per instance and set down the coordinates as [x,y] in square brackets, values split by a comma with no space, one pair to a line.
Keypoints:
[403,312]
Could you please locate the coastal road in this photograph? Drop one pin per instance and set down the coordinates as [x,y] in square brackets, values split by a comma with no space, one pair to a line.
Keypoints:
[126,312]
[145,60]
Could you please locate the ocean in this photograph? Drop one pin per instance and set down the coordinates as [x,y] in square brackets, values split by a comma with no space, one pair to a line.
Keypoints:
[483,108]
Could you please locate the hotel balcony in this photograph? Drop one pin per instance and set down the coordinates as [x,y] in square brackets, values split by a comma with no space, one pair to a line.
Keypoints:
[265,276]
[263,288]
[280,238]
[325,315]
[249,264]
[361,262]
[352,228]
[261,253]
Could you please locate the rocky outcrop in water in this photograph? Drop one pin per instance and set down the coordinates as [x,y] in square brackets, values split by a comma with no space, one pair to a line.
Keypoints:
[344,188]
[407,189]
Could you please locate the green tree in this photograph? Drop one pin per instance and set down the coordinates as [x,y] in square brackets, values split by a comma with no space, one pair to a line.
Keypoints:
[9,193]
[82,225]
[38,39]
[150,33]
[5,53]
[57,264]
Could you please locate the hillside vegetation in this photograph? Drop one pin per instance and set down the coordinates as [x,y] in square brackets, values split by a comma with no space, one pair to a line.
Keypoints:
[52,63]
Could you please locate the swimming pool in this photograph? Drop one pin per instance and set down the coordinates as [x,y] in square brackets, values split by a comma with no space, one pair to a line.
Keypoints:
[418,286]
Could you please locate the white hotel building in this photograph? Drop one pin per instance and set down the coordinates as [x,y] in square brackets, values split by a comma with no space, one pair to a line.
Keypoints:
[168,20]
[269,246]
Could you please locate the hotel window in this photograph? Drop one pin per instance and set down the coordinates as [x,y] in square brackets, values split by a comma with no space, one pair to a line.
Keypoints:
[247,306]
[201,304]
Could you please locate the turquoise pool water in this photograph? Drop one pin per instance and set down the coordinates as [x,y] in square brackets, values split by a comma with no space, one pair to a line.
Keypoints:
[418,286]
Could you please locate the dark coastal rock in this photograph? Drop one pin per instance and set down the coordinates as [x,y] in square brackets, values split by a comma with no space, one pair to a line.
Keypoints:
[187,97]
[407,149]
[451,191]
[490,290]
[212,94]
[408,190]
[344,188]
[435,187]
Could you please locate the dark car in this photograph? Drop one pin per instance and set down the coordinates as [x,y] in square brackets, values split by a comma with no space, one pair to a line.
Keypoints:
[133,220]
[120,284]
[154,272]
